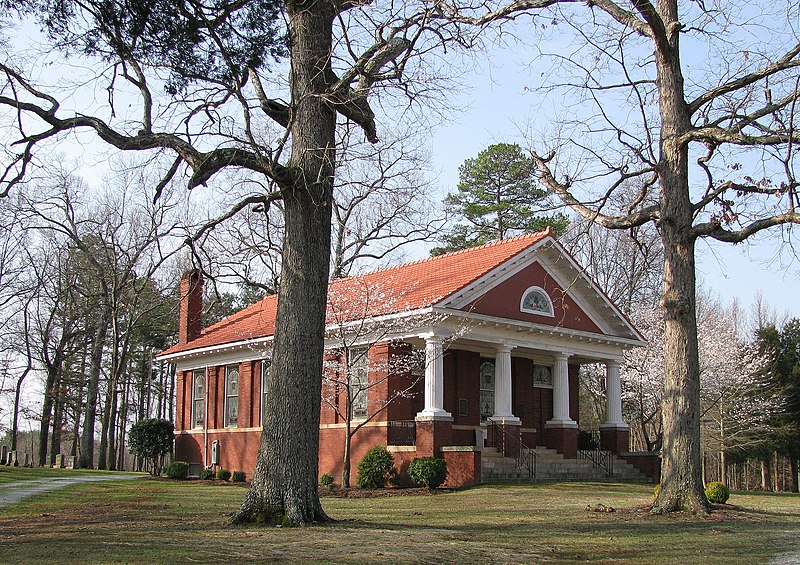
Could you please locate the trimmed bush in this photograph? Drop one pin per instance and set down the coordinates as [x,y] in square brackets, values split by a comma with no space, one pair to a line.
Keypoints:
[717,493]
[326,481]
[376,468]
[238,476]
[223,474]
[178,470]
[428,472]
[207,475]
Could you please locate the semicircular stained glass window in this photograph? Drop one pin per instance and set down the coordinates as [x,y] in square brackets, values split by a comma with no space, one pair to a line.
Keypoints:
[536,301]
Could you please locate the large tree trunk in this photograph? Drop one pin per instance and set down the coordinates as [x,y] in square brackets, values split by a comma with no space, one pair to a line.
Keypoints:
[102,457]
[87,435]
[47,414]
[284,487]
[681,476]
[58,417]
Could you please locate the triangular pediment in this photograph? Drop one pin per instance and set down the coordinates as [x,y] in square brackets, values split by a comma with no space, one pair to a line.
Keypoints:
[577,302]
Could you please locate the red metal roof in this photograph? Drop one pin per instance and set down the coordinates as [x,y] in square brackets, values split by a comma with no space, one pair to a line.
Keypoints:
[387,291]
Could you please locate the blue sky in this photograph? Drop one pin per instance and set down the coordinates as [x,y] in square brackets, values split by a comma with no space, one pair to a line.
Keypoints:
[499,104]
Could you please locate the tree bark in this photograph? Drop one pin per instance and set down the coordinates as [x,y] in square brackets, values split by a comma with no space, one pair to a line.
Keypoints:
[87,435]
[681,477]
[284,487]
[47,414]
[58,417]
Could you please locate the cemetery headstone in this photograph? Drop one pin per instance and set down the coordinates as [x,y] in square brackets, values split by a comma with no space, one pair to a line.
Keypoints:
[3,455]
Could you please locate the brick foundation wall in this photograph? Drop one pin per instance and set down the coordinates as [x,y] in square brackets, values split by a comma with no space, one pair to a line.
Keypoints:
[646,462]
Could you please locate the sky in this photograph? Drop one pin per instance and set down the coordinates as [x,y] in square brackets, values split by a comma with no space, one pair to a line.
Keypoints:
[499,104]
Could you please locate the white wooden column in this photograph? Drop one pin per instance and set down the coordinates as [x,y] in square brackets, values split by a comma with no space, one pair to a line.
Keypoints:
[434,380]
[613,396]
[502,387]
[561,393]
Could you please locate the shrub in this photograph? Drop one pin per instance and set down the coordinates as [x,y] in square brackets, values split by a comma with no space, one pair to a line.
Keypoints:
[151,439]
[428,472]
[326,480]
[223,474]
[717,493]
[238,476]
[376,468]
[178,470]
[207,475]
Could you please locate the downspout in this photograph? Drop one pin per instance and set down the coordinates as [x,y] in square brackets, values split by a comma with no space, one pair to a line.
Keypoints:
[205,422]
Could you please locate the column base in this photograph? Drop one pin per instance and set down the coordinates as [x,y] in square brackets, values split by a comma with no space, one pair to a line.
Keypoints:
[435,414]
[563,437]
[615,437]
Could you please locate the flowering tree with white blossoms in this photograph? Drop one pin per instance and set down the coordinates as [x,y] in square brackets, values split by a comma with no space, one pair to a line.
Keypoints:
[356,323]
[736,400]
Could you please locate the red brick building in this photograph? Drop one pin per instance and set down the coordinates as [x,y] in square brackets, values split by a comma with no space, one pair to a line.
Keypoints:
[501,330]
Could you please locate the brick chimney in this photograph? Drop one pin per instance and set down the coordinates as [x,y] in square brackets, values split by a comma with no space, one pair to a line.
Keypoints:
[190,318]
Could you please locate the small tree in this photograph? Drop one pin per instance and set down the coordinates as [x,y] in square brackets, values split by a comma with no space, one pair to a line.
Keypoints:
[498,197]
[349,376]
[151,439]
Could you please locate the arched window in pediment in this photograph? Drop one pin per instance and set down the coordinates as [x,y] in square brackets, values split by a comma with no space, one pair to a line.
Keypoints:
[536,301]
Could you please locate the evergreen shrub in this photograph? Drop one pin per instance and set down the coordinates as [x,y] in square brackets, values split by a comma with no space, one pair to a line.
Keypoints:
[717,493]
[428,472]
[178,470]
[376,468]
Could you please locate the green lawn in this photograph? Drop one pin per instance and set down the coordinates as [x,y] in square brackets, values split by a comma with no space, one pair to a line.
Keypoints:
[147,521]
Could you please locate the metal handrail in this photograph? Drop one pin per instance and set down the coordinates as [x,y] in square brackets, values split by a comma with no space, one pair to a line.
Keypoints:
[600,458]
[526,456]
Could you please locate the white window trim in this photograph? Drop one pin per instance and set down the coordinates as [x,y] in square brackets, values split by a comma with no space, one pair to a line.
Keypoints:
[265,364]
[483,419]
[193,415]
[360,355]
[550,314]
[225,414]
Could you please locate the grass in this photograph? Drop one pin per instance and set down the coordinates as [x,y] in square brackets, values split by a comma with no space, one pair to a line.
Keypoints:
[147,521]
[23,474]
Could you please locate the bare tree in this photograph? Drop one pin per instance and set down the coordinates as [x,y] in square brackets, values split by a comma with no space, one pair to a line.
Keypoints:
[729,107]
[228,110]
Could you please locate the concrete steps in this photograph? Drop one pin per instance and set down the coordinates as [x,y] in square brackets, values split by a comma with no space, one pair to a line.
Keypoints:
[552,466]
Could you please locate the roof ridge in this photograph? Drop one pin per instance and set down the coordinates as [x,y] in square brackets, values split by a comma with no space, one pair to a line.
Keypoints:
[494,243]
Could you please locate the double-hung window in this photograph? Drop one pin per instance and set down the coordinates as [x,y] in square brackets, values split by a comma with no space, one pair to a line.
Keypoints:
[358,373]
[264,378]
[231,396]
[198,398]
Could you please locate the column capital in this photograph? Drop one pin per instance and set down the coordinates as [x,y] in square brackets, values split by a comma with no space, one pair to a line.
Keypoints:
[503,348]
[561,356]
[613,363]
